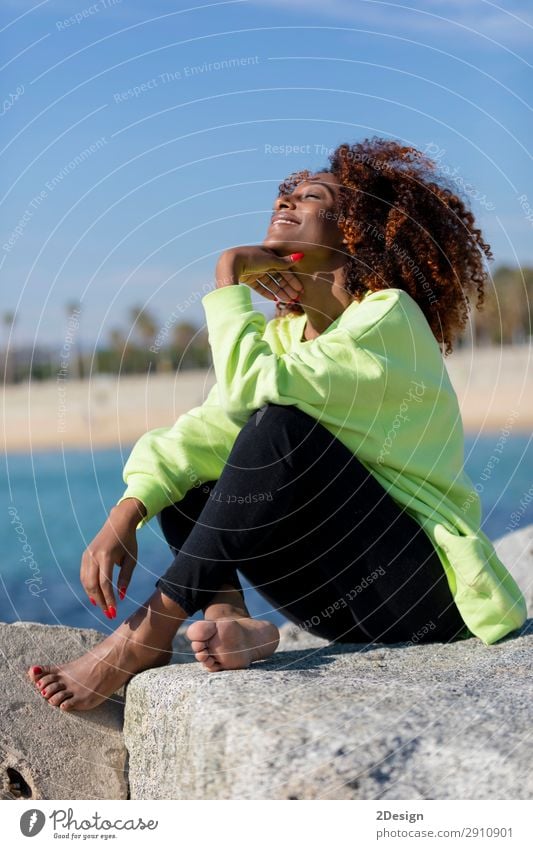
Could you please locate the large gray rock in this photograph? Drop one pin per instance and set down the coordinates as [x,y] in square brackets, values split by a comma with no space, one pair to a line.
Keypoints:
[439,721]
[46,753]
[515,550]
[313,722]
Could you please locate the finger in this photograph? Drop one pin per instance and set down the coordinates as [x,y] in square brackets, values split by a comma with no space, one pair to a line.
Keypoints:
[283,287]
[292,288]
[294,280]
[124,575]
[275,286]
[106,586]
[90,579]
[99,598]
[280,262]
[261,288]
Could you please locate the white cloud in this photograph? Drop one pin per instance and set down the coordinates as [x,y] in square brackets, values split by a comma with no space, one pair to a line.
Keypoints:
[466,19]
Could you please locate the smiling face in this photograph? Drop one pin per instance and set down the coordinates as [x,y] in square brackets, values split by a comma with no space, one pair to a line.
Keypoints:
[306,219]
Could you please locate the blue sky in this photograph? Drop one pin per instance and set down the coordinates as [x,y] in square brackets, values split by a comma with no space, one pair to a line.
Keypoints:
[142,139]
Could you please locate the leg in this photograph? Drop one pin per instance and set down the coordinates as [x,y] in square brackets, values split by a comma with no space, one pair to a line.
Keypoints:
[142,641]
[176,522]
[225,524]
[236,640]
[321,538]
[361,567]
[373,570]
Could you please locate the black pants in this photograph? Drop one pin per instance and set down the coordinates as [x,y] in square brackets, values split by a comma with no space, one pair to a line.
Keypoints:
[318,537]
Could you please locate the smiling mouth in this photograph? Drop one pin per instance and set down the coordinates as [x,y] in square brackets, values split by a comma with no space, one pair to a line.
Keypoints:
[284,221]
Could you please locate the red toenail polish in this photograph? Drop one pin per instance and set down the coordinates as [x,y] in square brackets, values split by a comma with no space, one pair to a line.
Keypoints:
[91,599]
[112,612]
[107,613]
[121,593]
[36,670]
[43,692]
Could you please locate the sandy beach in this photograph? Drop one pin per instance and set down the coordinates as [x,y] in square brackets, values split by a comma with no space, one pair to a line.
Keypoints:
[494,387]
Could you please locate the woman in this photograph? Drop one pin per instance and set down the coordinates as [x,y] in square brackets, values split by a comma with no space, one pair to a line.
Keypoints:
[326,463]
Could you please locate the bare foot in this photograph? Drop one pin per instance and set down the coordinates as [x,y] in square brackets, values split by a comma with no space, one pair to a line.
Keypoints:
[232,643]
[84,683]
[143,641]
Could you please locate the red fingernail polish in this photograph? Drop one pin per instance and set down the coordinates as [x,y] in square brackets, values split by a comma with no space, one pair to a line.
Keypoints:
[107,613]
[297,256]
[91,599]
[112,612]
[36,670]
[121,593]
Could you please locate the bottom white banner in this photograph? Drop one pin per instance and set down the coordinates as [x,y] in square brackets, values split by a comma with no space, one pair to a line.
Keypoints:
[357,824]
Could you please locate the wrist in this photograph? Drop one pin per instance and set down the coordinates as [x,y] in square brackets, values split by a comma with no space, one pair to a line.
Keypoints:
[227,271]
[132,510]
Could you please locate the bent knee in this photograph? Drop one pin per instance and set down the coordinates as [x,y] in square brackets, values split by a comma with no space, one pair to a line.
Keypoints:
[286,413]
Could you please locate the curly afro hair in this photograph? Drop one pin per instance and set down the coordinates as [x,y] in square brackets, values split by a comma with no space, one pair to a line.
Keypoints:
[404,227]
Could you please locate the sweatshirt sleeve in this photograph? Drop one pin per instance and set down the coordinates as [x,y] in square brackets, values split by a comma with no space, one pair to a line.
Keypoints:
[330,377]
[168,461]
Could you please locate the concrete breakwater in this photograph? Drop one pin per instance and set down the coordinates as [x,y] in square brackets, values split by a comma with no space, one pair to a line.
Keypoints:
[315,721]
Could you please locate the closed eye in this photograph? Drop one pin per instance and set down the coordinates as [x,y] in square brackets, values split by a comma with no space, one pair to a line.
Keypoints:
[305,195]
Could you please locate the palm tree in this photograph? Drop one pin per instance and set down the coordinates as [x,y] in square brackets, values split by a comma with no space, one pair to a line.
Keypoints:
[119,349]
[191,345]
[504,316]
[183,335]
[9,319]
[73,310]
[145,326]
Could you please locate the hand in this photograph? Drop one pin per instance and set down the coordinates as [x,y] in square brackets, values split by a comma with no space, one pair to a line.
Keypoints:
[253,265]
[116,542]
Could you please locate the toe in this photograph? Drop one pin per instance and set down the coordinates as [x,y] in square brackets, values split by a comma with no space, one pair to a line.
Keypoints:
[67,702]
[59,697]
[201,631]
[45,681]
[202,655]
[198,645]
[53,688]
[209,661]
[37,672]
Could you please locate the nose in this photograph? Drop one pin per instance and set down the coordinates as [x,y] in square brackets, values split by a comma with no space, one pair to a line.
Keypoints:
[283,202]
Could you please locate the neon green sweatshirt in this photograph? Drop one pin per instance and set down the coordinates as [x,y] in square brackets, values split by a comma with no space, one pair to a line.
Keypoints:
[376,379]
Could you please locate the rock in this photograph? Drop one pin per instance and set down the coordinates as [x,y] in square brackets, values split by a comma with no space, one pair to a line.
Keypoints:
[315,721]
[437,721]
[515,550]
[46,753]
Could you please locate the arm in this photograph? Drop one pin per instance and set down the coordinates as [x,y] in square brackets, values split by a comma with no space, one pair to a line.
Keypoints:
[166,462]
[163,465]
[331,377]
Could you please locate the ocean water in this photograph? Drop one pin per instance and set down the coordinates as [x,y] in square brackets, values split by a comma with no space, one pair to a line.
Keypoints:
[59,501]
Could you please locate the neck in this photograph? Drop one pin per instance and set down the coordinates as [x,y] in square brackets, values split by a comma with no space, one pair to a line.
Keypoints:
[323,299]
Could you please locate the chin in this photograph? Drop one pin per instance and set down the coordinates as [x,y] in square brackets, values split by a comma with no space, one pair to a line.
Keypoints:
[282,246]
